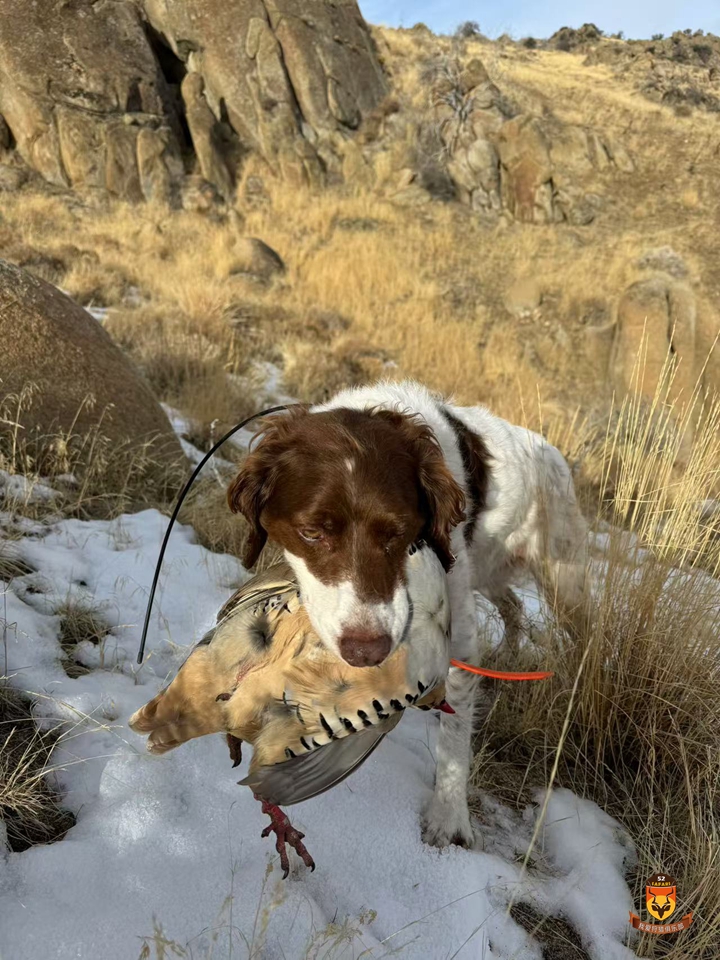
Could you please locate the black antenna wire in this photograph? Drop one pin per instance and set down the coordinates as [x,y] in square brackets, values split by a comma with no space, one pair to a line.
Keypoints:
[176,511]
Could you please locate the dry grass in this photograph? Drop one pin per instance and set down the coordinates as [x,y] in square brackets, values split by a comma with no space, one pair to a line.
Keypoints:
[414,291]
[206,510]
[80,623]
[28,806]
[642,725]
[216,528]
[198,368]
[11,565]
[421,296]
[330,942]
[91,476]
[558,939]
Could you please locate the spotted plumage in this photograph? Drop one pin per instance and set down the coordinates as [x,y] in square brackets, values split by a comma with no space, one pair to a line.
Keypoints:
[262,675]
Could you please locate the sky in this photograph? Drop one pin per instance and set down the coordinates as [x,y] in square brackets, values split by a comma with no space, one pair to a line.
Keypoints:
[540,18]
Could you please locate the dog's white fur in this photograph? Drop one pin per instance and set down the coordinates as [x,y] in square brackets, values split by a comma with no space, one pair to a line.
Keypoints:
[334,607]
[531,520]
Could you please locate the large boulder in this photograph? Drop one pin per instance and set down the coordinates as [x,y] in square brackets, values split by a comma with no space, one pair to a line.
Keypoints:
[665,334]
[664,347]
[526,170]
[84,97]
[255,258]
[655,327]
[78,376]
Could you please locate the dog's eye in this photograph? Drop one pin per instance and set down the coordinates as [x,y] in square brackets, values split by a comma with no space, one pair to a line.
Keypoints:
[392,539]
[311,535]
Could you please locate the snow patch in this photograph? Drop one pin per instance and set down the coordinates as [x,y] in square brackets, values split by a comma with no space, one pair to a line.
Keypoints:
[173,841]
[19,489]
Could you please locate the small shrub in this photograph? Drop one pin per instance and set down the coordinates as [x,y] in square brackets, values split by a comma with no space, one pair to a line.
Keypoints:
[468,30]
[530,43]
[703,51]
[657,36]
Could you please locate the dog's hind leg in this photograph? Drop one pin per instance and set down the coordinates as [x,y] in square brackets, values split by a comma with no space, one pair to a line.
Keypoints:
[566,586]
[562,570]
[510,609]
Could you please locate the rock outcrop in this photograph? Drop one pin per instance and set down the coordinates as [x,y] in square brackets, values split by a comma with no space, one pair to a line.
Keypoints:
[569,38]
[656,325]
[128,97]
[84,96]
[80,377]
[681,71]
[291,77]
[536,168]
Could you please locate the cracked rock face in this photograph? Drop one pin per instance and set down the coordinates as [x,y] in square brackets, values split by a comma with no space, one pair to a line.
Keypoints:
[84,96]
[95,91]
[293,77]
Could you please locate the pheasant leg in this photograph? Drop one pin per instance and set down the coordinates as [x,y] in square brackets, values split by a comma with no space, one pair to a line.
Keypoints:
[285,834]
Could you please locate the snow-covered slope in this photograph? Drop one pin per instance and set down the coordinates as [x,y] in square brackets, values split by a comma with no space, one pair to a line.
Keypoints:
[172,844]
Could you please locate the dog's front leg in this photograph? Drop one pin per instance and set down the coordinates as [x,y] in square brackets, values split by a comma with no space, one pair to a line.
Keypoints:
[447,819]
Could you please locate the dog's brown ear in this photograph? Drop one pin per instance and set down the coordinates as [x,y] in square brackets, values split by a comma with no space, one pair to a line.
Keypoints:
[247,494]
[252,488]
[442,498]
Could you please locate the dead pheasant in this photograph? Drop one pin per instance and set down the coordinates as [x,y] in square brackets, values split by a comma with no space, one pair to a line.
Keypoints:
[263,675]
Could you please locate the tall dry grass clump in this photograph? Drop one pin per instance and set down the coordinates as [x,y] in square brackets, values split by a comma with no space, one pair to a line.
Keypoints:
[29,808]
[631,717]
[83,474]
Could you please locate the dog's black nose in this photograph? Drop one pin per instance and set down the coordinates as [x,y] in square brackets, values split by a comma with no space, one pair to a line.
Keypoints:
[364,648]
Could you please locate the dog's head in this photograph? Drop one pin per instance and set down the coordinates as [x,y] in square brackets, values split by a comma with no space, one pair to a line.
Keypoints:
[345,493]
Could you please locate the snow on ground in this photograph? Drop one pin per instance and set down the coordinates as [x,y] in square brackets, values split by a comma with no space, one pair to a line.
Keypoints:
[173,844]
[182,427]
[18,489]
[264,379]
[268,377]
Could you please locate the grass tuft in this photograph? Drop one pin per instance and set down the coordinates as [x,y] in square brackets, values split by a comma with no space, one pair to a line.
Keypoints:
[79,623]
[29,807]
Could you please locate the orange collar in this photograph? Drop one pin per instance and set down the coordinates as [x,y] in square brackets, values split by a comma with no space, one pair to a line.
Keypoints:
[500,674]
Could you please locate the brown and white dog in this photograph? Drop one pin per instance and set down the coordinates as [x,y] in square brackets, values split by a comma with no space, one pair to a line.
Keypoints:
[348,486]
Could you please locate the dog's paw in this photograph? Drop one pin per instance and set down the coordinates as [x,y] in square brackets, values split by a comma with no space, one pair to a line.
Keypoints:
[446,823]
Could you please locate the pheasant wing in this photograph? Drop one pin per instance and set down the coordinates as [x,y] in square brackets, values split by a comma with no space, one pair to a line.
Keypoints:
[310,774]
